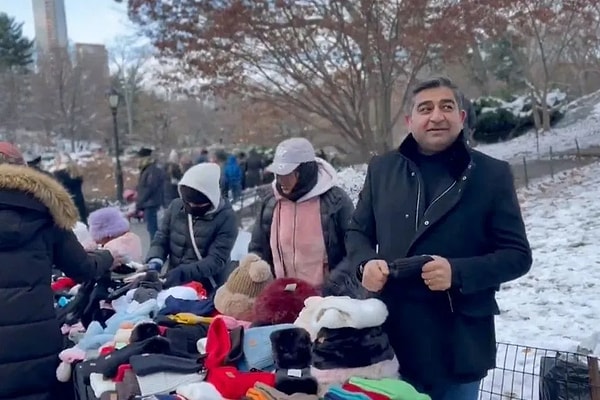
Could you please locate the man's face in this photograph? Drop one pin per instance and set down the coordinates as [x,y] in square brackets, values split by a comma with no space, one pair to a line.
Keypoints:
[435,120]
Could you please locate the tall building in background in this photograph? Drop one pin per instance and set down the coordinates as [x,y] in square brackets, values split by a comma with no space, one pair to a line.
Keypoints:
[92,59]
[50,25]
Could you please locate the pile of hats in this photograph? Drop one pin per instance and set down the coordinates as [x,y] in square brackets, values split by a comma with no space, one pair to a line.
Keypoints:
[348,340]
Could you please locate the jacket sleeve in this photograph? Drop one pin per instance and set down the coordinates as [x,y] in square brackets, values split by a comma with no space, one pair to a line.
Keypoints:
[343,216]
[218,253]
[71,258]
[511,257]
[259,236]
[160,243]
[361,236]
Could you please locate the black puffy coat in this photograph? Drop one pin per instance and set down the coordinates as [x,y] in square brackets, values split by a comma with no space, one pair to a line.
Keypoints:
[37,215]
[215,234]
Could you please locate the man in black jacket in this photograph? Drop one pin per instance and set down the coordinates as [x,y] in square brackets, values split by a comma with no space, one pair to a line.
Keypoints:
[436,196]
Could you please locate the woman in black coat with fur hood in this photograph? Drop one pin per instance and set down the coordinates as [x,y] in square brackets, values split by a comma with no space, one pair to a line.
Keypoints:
[36,234]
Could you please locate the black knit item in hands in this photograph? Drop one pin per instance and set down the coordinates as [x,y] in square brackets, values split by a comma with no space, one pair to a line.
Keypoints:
[410,267]
[288,381]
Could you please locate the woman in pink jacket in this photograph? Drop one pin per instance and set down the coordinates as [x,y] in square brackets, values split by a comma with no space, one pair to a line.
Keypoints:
[301,225]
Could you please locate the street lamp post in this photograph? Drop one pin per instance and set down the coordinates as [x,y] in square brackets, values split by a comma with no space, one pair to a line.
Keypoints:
[113,101]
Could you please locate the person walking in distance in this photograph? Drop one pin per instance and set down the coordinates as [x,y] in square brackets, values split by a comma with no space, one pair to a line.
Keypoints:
[436,196]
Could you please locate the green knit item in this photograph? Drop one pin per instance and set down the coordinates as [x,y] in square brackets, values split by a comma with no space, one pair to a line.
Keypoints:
[395,389]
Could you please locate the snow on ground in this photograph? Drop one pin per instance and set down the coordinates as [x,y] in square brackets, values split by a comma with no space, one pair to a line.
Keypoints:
[585,130]
[556,305]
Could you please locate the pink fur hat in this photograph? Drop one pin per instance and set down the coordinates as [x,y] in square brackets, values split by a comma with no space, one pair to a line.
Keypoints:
[107,222]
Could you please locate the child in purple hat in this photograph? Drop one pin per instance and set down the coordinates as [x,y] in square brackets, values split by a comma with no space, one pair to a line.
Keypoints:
[110,229]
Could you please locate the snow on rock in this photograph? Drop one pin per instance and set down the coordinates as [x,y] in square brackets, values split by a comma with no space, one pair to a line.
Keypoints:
[585,130]
[351,179]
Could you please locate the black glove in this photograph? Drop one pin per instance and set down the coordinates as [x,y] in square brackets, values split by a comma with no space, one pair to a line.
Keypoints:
[180,275]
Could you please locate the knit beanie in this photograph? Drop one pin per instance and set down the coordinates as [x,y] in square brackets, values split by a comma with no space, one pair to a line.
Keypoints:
[237,296]
[107,222]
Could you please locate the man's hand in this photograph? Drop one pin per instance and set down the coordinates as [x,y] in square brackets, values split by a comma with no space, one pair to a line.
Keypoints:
[437,274]
[375,275]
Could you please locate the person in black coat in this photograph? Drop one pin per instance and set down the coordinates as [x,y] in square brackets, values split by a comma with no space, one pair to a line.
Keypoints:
[68,174]
[436,196]
[36,234]
[150,189]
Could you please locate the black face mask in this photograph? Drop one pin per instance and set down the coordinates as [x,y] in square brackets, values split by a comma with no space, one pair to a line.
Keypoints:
[197,211]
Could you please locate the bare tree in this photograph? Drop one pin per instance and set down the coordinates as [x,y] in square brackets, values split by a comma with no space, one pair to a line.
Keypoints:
[14,86]
[335,61]
[61,104]
[130,60]
[546,29]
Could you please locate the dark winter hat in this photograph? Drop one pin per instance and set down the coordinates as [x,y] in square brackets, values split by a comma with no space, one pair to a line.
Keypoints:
[281,301]
[107,222]
[144,152]
[190,195]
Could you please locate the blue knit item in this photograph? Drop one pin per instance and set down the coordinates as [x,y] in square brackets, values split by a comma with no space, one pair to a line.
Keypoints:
[258,353]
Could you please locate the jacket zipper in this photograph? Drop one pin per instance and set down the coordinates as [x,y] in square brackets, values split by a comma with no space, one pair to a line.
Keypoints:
[450,301]
[417,221]
[441,195]
[294,240]
[418,203]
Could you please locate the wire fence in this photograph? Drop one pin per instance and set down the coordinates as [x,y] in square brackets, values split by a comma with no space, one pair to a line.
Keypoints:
[531,373]
[553,163]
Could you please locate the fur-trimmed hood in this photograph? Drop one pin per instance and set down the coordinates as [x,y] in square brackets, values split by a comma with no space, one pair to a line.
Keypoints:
[43,188]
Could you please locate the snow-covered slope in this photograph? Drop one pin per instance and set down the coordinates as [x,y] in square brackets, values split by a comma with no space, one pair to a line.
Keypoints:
[585,129]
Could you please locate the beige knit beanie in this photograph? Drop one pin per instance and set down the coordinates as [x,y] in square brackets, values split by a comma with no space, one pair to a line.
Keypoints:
[236,297]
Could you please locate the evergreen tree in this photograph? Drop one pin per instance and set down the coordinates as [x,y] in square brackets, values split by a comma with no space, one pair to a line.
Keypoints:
[15,49]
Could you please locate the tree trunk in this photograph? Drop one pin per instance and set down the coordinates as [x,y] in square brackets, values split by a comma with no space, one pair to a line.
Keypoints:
[545,111]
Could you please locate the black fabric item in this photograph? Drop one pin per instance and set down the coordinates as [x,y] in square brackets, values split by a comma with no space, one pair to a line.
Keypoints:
[149,280]
[164,320]
[31,243]
[286,382]
[184,338]
[109,364]
[410,267]
[147,364]
[435,174]
[350,348]
[81,380]
[124,269]
[190,195]
[144,331]
[102,315]
[344,281]
[336,210]
[491,248]
[308,176]
[197,211]
[291,348]
[236,353]
[214,234]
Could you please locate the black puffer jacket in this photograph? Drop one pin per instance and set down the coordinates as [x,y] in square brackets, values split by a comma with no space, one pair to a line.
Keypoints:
[37,215]
[215,234]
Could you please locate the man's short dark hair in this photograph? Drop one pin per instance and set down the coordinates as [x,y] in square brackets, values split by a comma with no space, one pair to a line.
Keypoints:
[433,83]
